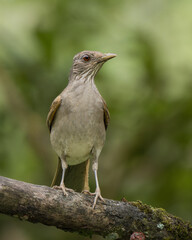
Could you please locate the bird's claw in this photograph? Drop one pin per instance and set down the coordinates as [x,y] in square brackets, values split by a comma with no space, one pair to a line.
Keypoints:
[97,195]
[64,189]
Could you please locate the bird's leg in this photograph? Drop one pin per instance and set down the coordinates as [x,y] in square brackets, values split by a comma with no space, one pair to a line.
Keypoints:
[97,192]
[62,185]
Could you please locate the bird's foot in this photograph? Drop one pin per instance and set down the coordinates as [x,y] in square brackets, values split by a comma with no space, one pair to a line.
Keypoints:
[64,189]
[97,195]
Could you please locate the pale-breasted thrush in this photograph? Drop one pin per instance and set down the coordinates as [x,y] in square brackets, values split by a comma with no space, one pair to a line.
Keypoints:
[77,120]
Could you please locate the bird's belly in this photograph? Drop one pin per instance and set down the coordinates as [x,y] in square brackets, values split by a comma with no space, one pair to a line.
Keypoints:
[74,144]
[77,152]
[74,149]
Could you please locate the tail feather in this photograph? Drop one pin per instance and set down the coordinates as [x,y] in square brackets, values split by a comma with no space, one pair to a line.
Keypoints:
[58,173]
[76,176]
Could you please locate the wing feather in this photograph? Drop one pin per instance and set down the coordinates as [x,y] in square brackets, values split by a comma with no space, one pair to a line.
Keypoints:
[52,112]
[106,115]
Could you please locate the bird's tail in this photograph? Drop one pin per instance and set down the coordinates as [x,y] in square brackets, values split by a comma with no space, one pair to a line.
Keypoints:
[76,177]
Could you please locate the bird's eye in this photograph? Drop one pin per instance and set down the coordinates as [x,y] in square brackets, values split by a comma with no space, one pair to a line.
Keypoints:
[86,58]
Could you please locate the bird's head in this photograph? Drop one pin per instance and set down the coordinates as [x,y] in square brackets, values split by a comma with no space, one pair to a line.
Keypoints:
[87,63]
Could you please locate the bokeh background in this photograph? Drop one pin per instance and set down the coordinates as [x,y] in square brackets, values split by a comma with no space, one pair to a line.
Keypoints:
[148,89]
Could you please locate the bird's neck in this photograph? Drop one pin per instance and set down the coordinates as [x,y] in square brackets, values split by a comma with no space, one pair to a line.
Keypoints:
[85,80]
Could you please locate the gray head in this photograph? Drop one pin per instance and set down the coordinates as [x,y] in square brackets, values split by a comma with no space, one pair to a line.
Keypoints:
[87,63]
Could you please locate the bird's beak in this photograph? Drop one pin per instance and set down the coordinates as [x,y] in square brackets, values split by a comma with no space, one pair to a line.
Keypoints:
[107,56]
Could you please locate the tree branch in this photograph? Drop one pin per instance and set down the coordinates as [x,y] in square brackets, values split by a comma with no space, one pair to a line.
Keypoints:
[74,213]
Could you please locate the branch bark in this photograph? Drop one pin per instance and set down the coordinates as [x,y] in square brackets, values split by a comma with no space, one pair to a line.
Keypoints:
[74,213]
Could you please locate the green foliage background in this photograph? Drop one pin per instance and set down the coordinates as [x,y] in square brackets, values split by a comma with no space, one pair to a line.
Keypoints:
[148,152]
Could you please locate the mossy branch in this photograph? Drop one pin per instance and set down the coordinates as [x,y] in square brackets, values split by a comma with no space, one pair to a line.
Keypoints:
[74,213]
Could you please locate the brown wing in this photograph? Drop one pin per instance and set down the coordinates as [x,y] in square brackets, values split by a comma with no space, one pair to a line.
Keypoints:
[106,114]
[53,109]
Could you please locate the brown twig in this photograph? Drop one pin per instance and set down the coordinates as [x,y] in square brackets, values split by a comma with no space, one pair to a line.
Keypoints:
[115,219]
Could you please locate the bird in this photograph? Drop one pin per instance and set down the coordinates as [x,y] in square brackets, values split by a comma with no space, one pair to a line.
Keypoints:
[77,120]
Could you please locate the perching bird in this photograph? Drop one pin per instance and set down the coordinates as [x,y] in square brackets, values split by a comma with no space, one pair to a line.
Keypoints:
[77,120]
